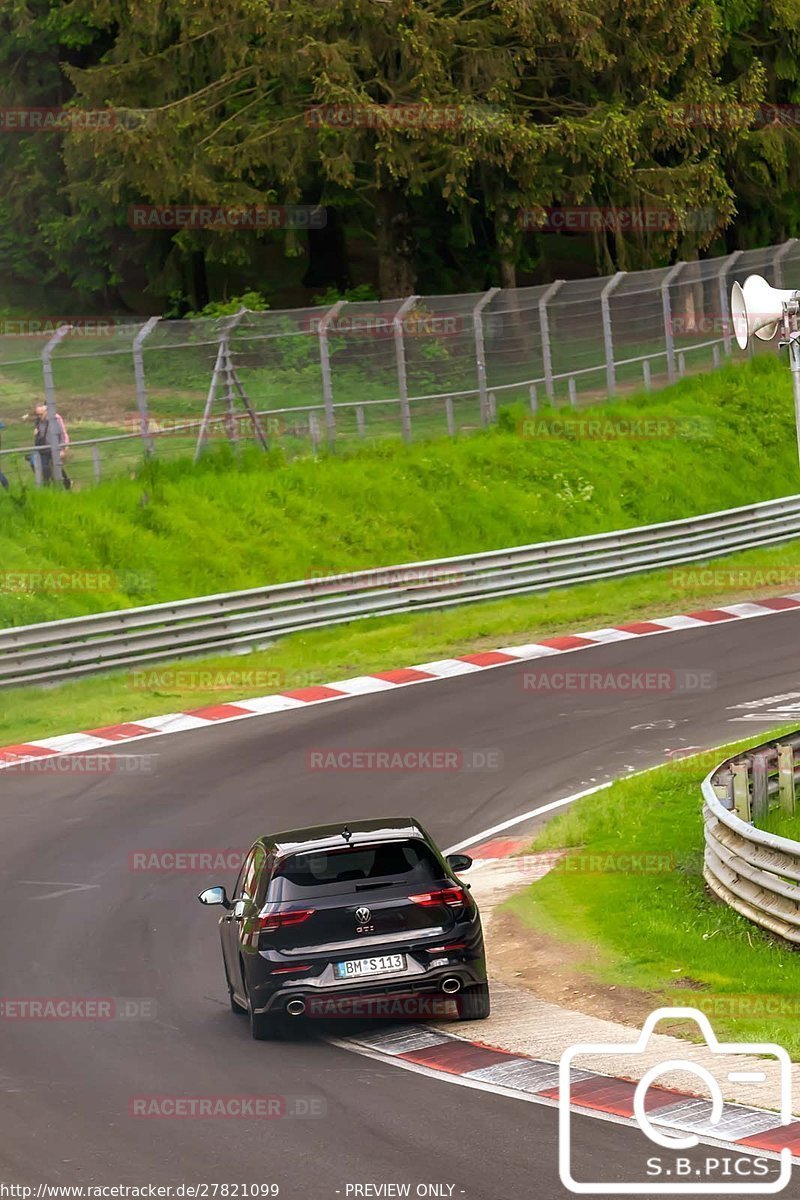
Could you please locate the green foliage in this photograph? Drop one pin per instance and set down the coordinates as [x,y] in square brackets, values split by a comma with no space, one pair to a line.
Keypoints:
[331,296]
[516,106]
[252,301]
[648,930]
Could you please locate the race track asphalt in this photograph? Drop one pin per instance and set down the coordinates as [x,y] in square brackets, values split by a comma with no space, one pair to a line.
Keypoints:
[66,1086]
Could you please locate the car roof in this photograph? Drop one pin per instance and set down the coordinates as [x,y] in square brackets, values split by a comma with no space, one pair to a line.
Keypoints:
[319,837]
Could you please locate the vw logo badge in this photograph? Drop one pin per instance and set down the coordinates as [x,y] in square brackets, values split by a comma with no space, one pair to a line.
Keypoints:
[363,915]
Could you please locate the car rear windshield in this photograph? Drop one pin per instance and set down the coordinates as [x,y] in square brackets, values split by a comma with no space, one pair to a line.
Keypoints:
[343,870]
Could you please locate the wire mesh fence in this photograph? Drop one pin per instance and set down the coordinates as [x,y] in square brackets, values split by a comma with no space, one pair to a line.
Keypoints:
[308,378]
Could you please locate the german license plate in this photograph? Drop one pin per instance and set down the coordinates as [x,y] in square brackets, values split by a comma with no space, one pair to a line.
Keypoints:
[357,968]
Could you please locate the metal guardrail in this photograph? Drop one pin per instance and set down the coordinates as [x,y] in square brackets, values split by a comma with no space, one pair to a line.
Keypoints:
[752,871]
[242,620]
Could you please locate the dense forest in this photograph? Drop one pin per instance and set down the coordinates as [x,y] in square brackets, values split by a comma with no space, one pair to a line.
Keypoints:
[421,129]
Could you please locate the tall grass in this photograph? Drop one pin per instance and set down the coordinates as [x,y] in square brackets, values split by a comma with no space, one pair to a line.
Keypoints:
[176,530]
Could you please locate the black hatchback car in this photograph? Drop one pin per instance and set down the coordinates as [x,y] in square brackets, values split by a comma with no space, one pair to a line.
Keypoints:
[371,909]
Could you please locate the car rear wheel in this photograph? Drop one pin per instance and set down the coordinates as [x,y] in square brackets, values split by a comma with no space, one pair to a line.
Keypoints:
[473,1003]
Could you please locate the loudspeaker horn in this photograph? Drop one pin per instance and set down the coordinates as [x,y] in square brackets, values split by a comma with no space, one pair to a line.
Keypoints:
[757,308]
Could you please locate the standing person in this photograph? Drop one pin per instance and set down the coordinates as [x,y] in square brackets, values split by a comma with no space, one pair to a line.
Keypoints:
[3,480]
[41,439]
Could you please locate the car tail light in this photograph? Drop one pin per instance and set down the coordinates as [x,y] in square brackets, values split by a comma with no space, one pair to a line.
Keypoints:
[290,970]
[453,897]
[442,949]
[280,920]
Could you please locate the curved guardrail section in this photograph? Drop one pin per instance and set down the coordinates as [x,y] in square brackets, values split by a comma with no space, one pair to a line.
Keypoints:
[240,620]
[753,871]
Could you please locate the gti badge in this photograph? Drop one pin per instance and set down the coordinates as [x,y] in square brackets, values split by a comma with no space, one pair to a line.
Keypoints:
[363,917]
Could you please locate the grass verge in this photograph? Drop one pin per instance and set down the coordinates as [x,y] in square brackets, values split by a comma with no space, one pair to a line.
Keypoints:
[175,530]
[325,655]
[660,931]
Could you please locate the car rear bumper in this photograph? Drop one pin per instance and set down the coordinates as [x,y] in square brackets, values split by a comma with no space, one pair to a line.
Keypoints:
[272,993]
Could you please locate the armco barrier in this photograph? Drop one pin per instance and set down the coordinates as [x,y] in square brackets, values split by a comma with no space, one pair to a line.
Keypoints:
[753,871]
[240,620]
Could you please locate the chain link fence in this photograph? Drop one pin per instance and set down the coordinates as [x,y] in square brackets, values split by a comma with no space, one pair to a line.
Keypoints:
[305,378]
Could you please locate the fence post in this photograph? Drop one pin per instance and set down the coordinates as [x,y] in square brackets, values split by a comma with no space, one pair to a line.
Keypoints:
[325,364]
[786,778]
[400,355]
[50,397]
[724,310]
[760,794]
[608,341]
[544,328]
[480,352]
[777,262]
[741,789]
[141,390]
[666,308]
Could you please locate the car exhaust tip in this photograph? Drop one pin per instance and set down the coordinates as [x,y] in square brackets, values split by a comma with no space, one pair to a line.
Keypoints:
[451,986]
[296,1008]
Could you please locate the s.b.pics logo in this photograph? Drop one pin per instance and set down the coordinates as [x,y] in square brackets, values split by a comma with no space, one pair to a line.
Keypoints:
[685,1123]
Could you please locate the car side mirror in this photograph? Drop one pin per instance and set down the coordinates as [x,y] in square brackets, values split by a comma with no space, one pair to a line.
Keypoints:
[215,895]
[459,862]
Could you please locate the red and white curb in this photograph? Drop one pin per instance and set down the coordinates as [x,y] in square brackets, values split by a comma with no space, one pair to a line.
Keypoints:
[95,740]
[475,1064]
